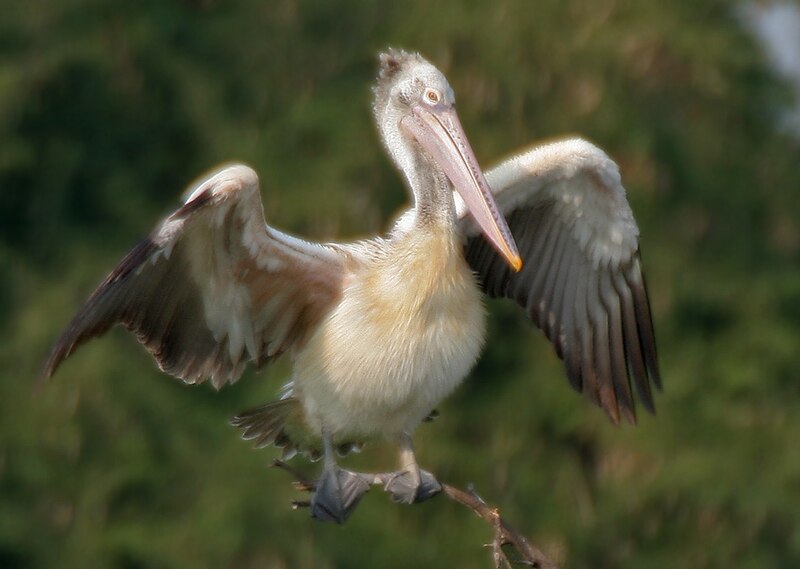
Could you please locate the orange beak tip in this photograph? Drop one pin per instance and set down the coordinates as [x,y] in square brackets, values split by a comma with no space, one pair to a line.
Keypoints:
[516,264]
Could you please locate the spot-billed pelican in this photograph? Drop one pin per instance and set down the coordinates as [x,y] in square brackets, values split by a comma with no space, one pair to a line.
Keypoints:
[381,330]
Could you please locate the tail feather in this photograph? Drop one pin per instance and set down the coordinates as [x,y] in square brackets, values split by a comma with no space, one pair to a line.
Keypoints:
[277,423]
[281,424]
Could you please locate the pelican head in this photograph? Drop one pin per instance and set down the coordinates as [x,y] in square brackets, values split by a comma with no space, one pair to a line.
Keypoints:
[415,112]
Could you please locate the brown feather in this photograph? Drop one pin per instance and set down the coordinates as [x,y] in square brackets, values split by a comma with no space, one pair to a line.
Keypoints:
[178,290]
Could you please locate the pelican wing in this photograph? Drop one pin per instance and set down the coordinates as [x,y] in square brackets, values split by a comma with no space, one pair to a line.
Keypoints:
[581,280]
[213,287]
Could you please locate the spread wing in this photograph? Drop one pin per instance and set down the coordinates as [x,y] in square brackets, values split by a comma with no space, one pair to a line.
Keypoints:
[581,280]
[213,287]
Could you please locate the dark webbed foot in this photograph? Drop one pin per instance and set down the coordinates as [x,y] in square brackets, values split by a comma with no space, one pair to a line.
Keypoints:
[406,487]
[337,494]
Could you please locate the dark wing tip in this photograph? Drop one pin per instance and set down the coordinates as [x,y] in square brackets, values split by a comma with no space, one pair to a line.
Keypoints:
[61,351]
[629,413]
[94,319]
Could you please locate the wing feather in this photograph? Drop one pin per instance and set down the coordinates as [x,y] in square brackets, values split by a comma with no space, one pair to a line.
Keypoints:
[213,287]
[570,339]
[590,384]
[633,346]
[641,303]
[581,280]
[541,268]
[619,366]
[546,315]
[559,320]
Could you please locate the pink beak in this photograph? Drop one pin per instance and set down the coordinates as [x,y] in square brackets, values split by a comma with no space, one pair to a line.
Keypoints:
[440,133]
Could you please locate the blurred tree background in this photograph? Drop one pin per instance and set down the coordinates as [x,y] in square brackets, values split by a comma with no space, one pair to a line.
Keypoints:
[109,109]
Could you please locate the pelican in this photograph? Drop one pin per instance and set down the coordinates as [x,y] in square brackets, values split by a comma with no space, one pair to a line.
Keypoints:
[381,330]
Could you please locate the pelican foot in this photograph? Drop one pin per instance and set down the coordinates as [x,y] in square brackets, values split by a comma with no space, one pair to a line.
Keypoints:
[337,494]
[405,488]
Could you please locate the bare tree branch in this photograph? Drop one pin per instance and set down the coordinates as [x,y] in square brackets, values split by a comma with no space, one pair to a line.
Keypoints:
[504,533]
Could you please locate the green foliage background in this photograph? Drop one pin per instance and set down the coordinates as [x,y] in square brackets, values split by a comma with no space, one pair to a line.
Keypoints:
[108,110]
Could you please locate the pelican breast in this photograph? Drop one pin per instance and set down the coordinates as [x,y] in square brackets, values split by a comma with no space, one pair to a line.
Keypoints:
[408,329]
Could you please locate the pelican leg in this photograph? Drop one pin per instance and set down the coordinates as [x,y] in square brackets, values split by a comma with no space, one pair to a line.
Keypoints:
[411,484]
[338,491]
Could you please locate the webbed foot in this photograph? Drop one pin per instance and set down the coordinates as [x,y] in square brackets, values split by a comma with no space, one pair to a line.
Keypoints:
[407,487]
[337,494]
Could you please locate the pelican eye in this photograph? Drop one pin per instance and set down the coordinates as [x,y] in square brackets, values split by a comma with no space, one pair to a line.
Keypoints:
[432,96]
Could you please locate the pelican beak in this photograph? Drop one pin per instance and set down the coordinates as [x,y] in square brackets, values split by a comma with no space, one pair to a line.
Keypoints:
[440,133]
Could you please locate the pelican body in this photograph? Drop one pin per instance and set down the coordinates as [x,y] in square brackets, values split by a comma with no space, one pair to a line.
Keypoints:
[381,330]
[407,331]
